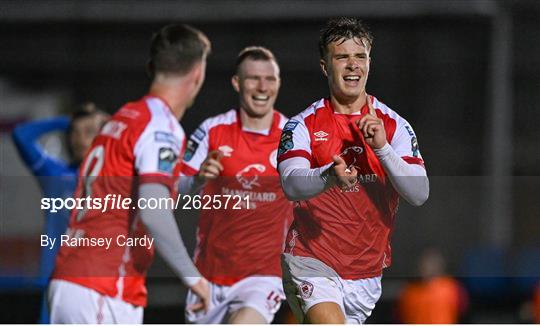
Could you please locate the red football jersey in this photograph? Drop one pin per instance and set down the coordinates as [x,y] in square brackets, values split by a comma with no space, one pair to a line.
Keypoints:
[141,143]
[347,230]
[235,243]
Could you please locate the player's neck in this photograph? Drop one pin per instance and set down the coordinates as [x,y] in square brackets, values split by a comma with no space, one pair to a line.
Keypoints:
[173,92]
[348,106]
[256,123]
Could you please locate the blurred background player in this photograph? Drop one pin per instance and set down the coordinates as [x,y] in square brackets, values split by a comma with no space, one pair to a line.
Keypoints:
[436,298]
[238,251]
[345,160]
[56,177]
[92,284]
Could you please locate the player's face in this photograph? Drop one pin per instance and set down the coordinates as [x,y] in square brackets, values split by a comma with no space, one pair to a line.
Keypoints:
[83,132]
[347,67]
[257,83]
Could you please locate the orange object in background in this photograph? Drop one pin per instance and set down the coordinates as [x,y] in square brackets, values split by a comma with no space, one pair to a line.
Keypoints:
[435,298]
[435,301]
[536,304]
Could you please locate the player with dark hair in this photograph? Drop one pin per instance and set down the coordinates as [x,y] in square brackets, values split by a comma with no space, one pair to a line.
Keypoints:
[136,155]
[345,160]
[57,178]
[238,251]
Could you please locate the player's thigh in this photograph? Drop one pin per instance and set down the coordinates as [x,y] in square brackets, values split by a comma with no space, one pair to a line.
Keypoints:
[360,298]
[255,294]
[307,283]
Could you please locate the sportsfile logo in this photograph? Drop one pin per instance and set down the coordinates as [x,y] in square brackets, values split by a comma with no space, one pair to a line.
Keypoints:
[320,136]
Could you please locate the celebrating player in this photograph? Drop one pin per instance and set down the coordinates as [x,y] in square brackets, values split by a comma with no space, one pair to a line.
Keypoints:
[238,251]
[345,161]
[94,284]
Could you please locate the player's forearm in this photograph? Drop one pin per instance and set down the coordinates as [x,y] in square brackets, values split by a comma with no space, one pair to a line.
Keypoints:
[409,180]
[163,228]
[299,181]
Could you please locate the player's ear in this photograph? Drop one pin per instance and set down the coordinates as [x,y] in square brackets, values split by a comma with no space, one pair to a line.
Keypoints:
[323,67]
[235,81]
[198,75]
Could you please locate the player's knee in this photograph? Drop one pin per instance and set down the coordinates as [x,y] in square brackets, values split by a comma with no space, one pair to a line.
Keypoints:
[325,313]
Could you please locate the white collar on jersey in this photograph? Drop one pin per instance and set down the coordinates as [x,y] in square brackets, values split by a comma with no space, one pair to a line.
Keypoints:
[354,113]
[264,132]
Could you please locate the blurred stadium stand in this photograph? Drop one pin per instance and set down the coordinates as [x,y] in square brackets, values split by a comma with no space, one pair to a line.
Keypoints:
[466,74]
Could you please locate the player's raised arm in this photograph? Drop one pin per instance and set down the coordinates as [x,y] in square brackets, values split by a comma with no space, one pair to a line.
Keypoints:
[400,159]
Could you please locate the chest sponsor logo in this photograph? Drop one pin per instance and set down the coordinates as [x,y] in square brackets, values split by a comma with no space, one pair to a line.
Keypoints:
[320,136]
[248,177]
[226,150]
[350,155]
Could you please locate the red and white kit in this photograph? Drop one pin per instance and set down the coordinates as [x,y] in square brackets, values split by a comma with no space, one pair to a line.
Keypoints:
[235,244]
[348,231]
[145,140]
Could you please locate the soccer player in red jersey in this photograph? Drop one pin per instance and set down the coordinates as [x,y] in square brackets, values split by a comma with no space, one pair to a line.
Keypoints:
[136,155]
[238,250]
[345,160]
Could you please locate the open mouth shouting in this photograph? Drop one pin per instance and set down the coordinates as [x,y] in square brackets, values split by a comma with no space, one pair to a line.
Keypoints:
[351,80]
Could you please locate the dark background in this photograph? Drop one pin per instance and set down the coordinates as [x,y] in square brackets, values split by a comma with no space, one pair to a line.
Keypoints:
[465,74]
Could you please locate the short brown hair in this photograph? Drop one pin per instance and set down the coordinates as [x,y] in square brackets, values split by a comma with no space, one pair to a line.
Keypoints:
[343,28]
[175,49]
[254,53]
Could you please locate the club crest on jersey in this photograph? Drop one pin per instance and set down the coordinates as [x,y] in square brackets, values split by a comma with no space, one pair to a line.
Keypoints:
[166,160]
[306,289]
[286,141]
[248,177]
[320,135]
[226,150]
